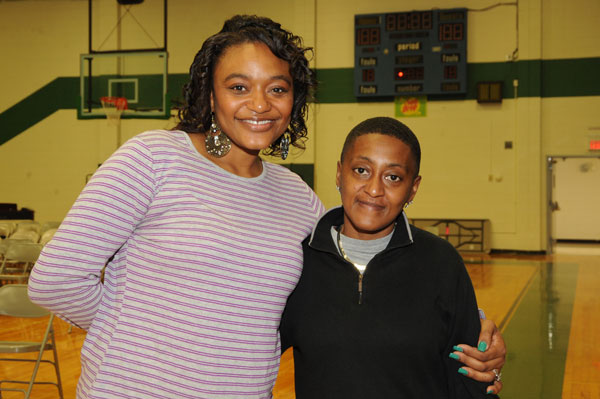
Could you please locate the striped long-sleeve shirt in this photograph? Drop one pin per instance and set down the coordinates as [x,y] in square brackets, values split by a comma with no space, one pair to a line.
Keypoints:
[199,264]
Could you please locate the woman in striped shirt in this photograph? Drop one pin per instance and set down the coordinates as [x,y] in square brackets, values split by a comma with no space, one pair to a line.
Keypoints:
[199,239]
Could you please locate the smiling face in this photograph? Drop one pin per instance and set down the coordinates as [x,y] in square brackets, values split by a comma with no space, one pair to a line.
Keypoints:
[252,96]
[376,179]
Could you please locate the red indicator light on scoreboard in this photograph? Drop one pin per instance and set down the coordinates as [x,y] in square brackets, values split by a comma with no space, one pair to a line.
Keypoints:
[409,73]
[595,145]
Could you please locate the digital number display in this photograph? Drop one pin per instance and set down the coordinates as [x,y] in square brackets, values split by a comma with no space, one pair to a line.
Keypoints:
[419,20]
[414,73]
[368,36]
[368,75]
[451,32]
[450,72]
[448,87]
[409,59]
[410,53]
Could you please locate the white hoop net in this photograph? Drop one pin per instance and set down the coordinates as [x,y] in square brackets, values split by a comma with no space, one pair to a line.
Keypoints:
[113,108]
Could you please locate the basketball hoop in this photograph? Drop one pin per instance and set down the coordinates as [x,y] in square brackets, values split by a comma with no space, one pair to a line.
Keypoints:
[113,108]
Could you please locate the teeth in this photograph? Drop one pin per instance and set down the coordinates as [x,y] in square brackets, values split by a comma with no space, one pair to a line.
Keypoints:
[253,122]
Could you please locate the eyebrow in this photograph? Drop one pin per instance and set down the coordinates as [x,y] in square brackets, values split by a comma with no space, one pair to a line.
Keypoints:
[388,165]
[242,76]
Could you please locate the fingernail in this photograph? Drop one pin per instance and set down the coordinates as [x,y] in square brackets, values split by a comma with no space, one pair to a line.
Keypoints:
[457,348]
[490,392]
[454,356]
[463,371]
[482,346]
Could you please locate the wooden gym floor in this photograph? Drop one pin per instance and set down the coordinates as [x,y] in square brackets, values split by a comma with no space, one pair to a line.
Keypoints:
[548,308]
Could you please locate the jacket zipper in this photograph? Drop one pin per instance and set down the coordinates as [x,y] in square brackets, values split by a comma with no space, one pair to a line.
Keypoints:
[360,288]
[360,274]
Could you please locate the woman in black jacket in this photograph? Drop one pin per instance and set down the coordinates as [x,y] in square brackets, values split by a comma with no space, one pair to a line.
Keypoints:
[381,304]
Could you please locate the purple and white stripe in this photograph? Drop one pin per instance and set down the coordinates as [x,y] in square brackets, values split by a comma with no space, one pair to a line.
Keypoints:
[203,263]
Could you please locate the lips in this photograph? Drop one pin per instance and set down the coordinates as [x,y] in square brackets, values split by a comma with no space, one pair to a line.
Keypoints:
[261,122]
[258,124]
[371,205]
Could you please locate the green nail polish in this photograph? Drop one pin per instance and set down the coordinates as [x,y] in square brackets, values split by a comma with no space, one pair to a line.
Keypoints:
[457,348]
[490,392]
[482,346]
[463,371]
[454,356]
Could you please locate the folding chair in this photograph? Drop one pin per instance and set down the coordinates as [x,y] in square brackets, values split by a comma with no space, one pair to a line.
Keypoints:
[49,225]
[29,225]
[15,302]
[47,236]
[6,229]
[4,244]
[18,260]
[25,235]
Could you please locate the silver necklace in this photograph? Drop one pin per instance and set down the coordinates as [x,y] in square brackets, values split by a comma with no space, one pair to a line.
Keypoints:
[339,242]
[360,274]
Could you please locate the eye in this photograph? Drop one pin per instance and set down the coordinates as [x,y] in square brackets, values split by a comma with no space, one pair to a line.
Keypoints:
[280,90]
[394,178]
[360,171]
[237,88]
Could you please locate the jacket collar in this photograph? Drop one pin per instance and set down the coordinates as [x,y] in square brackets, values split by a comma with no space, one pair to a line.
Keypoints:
[320,238]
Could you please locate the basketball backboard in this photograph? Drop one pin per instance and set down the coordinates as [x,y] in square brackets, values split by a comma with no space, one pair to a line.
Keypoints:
[127,25]
[127,58]
[140,77]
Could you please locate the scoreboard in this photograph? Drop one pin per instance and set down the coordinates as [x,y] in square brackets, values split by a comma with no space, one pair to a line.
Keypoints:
[410,53]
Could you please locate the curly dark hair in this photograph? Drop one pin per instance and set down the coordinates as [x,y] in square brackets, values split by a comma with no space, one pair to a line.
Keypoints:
[195,114]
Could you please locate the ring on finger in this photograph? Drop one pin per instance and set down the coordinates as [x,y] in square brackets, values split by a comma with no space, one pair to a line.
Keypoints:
[497,375]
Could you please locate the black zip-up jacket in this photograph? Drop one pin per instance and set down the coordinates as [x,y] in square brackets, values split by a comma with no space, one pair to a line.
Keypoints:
[417,302]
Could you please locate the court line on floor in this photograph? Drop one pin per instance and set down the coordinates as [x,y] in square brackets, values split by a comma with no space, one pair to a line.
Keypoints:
[515,305]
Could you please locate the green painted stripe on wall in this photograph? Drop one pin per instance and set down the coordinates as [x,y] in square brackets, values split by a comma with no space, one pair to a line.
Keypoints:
[61,93]
[175,82]
[535,78]
[548,78]
[575,77]
[305,170]
[337,86]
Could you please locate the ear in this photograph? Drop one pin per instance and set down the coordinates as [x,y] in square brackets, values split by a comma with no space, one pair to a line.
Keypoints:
[414,189]
[338,175]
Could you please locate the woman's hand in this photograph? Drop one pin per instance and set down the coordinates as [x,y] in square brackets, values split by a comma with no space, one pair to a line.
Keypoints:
[484,362]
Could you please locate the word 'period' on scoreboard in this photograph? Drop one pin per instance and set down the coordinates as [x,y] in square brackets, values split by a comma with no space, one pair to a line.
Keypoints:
[410,53]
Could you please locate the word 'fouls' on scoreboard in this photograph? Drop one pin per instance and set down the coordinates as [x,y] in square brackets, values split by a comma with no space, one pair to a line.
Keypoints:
[410,53]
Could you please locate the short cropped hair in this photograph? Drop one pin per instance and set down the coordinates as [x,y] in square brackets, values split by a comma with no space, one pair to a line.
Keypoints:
[389,127]
[195,114]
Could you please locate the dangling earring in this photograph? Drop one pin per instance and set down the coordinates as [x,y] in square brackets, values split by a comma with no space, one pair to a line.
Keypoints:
[407,204]
[284,145]
[338,188]
[216,141]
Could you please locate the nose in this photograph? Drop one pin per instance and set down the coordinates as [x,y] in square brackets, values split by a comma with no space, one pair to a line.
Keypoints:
[259,102]
[374,187]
